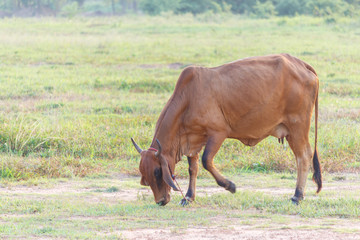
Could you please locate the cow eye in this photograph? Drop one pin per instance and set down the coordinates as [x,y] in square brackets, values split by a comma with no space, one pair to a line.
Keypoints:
[157,173]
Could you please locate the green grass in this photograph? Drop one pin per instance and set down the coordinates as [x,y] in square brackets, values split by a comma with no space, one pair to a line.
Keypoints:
[74,91]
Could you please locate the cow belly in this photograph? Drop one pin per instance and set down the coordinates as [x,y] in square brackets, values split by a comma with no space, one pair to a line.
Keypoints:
[250,141]
[279,131]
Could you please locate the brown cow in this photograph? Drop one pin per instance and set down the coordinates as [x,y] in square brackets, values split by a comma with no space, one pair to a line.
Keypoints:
[248,100]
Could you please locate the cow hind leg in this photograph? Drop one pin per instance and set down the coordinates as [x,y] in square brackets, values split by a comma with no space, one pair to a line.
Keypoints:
[211,148]
[193,171]
[301,147]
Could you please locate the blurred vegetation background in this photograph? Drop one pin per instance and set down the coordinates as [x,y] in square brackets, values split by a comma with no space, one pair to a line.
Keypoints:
[258,8]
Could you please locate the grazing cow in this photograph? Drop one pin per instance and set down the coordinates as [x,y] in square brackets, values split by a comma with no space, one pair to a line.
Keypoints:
[249,100]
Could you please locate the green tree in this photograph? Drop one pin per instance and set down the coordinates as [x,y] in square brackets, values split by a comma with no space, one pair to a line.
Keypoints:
[259,8]
[198,6]
[155,7]
[288,7]
[264,10]
[326,7]
[241,6]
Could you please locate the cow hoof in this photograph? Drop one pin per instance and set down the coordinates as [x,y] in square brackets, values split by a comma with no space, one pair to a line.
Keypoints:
[295,200]
[231,187]
[184,202]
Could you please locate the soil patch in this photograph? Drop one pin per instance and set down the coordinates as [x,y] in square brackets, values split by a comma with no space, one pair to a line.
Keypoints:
[238,232]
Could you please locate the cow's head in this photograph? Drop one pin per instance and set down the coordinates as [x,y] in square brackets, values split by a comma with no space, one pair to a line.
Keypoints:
[155,173]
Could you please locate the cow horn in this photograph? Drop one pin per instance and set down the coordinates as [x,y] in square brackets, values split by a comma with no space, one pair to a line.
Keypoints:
[158,153]
[136,146]
[166,173]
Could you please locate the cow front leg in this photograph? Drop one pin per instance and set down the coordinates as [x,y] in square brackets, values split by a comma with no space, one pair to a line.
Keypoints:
[211,148]
[193,171]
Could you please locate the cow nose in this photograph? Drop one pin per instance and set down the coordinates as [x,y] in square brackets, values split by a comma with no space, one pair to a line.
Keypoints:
[161,203]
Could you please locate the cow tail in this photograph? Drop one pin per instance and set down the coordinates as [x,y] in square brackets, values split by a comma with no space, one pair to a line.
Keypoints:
[316,164]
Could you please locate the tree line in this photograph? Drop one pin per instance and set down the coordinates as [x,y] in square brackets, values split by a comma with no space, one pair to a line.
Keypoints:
[257,8]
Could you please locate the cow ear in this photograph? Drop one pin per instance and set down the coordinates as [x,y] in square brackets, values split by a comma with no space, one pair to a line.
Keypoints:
[166,174]
[143,182]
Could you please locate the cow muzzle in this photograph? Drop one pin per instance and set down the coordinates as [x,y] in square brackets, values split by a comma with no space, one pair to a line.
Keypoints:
[163,201]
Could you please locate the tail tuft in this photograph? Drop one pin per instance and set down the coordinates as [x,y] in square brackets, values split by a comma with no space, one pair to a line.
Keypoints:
[317,172]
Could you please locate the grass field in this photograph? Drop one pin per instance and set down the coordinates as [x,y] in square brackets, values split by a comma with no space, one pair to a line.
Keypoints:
[74,91]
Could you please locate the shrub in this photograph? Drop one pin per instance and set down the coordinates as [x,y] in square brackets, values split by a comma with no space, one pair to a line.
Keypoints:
[288,7]
[198,6]
[70,10]
[264,10]
[327,7]
[155,7]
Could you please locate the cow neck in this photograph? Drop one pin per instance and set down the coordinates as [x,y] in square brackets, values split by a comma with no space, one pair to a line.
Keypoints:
[167,129]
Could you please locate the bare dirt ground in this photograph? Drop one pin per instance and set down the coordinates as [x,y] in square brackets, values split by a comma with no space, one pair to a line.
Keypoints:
[288,227]
[240,232]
